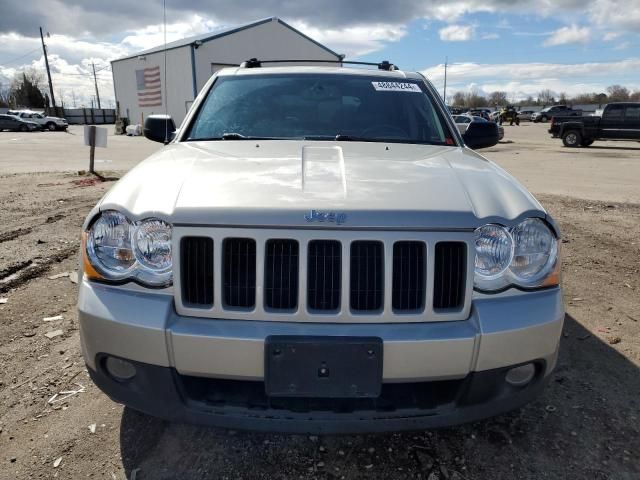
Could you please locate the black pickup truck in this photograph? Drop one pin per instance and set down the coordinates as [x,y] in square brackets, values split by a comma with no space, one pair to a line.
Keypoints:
[617,121]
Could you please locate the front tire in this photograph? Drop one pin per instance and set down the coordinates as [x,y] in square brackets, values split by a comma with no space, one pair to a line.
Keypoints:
[586,142]
[572,139]
[544,119]
[51,127]
[24,128]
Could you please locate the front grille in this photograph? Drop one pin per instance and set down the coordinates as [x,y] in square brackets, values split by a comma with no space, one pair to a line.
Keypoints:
[408,276]
[367,275]
[449,275]
[324,274]
[281,274]
[196,258]
[240,272]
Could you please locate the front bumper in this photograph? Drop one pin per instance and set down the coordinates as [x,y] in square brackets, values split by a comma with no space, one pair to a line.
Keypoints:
[189,368]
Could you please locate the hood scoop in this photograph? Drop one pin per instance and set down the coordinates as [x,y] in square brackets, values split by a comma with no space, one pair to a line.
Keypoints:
[323,172]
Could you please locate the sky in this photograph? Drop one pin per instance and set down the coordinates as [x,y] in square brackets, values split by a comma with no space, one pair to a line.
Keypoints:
[517,46]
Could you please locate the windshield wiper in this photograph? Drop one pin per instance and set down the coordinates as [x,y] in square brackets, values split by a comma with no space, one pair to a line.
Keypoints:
[341,138]
[233,136]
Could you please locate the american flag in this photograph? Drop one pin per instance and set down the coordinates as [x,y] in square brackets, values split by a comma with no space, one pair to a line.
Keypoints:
[149,87]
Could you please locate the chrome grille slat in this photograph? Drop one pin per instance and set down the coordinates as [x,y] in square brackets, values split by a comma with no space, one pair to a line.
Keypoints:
[197,275]
[239,272]
[366,282]
[281,270]
[409,288]
[324,273]
[340,278]
[449,273]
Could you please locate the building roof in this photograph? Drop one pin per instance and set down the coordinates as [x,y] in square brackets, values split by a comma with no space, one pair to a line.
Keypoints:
[206,37]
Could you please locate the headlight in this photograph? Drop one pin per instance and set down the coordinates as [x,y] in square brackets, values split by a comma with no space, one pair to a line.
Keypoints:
[118,250]
[535,253]
[109,245]
[524,256]
[494,252]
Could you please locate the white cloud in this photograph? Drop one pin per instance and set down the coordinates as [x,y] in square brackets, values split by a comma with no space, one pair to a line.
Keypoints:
[153,35]
[571,34]
[610,36]
[354,41]
[522,79]
[490,36]
[456,33]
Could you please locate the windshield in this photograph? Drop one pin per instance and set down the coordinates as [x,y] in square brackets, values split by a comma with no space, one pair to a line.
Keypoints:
[319,107]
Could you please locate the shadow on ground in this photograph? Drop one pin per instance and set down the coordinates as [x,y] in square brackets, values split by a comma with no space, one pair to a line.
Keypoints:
[585,425]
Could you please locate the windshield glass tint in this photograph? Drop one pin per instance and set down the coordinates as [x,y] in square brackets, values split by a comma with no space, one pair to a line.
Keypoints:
[320,106]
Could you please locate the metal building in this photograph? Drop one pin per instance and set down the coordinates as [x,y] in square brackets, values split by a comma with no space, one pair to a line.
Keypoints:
[139,79]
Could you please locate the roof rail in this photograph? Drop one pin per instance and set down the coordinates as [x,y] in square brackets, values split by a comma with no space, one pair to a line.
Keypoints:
[255,63]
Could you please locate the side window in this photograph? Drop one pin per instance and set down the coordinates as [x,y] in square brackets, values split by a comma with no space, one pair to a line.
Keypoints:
[632,114]
[614,112]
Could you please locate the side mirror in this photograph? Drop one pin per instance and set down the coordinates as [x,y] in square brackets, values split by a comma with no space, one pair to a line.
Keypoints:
[159,128]
[481,135]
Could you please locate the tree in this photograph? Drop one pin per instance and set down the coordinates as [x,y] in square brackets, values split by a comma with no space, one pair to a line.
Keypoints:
[4,96]
[635,96]
[497,99]
[26,90]
[473,99]
[458,99]
[562,98]
[618,93]
[546,97]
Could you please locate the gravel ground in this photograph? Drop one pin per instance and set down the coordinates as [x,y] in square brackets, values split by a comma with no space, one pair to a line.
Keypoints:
[585,425]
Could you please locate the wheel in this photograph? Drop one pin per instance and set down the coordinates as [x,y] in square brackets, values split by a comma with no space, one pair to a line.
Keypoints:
[544,119]
[51,126]
[572,138]
[586,142]
[24,128]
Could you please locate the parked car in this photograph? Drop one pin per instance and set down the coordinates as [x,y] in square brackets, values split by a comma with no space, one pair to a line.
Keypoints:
[618,121]
[525,115]
[480,112]
[546,114]
[463,121]
[319,250]
[16,124]
[47,122]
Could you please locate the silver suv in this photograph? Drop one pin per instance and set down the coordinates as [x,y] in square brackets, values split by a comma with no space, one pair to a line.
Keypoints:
[317,249]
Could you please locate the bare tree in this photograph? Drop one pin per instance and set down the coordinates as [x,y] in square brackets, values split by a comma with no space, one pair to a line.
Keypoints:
[458,99]
[5,94]
[497,98]
[546,97]
[618,93]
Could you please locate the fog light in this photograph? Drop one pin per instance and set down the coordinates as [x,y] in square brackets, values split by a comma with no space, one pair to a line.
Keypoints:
[120,369]
[520,376]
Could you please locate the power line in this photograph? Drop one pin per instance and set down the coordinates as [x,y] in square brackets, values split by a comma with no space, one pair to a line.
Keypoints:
[20,57]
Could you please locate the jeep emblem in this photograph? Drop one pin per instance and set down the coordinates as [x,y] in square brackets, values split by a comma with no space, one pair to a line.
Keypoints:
[330,217]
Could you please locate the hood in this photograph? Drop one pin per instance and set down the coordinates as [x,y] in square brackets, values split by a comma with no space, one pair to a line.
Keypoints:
[355,184]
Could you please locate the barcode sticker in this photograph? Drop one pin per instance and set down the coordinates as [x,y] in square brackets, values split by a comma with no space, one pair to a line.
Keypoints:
[396,87]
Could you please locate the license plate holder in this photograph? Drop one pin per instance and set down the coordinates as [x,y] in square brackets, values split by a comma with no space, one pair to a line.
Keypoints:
[323,367]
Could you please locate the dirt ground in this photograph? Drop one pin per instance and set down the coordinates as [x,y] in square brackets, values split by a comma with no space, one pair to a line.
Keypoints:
[585,426]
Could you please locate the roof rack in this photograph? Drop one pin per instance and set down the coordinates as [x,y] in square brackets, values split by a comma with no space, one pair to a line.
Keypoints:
[255,63]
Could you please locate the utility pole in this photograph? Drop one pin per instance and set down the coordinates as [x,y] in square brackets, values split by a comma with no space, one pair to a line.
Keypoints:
[444,94]
[46,62]
[95,82]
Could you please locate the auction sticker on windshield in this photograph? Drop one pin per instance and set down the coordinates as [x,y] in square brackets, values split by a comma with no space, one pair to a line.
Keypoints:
[396,87]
